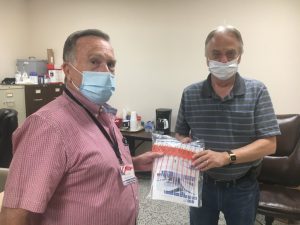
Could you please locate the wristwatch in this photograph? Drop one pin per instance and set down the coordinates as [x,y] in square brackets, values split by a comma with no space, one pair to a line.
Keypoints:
[232,156]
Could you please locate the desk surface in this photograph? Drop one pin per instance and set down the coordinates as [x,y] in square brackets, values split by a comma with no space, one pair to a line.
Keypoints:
[141,135]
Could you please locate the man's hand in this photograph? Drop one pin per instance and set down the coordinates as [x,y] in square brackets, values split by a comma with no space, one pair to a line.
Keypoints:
[144,161]
[208,159]
[183,139]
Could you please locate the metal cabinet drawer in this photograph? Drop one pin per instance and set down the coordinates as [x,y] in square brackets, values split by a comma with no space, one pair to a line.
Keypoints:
[36,96]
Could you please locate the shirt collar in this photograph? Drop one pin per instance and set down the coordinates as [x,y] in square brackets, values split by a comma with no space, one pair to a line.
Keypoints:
[92,107]
[239,87]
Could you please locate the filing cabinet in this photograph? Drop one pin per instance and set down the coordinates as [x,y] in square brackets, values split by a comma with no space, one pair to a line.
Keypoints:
[37,96]
[13,97]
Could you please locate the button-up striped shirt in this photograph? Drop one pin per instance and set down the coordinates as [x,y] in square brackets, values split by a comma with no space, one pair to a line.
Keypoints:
[64,168]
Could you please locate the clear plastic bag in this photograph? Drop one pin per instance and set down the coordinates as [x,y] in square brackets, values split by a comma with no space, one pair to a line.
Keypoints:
[173,177]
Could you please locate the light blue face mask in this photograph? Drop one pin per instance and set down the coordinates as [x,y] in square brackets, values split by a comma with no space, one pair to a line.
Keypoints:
[97,87]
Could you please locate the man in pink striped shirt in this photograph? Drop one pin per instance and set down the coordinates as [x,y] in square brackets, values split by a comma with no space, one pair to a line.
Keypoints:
[68,155]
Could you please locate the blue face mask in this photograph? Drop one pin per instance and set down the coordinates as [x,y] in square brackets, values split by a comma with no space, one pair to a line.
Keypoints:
[97,87]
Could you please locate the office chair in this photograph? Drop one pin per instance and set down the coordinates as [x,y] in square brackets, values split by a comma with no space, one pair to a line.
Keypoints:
[8,123]
[280,174]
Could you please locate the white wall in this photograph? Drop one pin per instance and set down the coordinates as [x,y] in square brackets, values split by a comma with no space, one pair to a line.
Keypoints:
[159,44]
[14,35]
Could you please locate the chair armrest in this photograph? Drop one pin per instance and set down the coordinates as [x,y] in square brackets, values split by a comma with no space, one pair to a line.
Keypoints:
[280,170]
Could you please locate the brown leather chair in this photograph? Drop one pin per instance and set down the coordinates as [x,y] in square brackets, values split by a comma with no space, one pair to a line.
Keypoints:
[280,174]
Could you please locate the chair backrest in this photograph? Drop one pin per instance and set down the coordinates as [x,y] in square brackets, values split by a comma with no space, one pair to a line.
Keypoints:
[8,123]
[283,167]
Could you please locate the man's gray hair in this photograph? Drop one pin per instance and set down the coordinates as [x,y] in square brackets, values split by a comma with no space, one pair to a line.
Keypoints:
[70,43]
[225,29]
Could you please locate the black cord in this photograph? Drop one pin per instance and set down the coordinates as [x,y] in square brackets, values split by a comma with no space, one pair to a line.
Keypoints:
[113,143]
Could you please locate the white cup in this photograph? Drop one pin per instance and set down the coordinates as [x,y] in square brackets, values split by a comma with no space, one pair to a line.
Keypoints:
[133,121]
[133,125]
[133,116]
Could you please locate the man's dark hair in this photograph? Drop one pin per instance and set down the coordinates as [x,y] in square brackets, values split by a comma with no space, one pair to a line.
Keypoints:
[70,43]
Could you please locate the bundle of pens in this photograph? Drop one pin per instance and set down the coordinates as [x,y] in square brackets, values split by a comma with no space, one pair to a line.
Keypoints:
[173,177]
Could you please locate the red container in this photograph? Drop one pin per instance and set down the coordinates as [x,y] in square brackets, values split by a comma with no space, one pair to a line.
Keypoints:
[50,66]
[118,122]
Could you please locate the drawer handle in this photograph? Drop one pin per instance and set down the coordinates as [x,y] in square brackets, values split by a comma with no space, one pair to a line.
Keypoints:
[38,99]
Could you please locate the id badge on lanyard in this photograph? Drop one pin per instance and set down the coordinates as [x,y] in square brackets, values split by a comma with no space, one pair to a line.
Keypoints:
[127,174]
[126,170]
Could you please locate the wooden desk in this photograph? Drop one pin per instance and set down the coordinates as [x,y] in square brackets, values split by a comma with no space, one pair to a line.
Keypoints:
[132,137]
[141,136]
